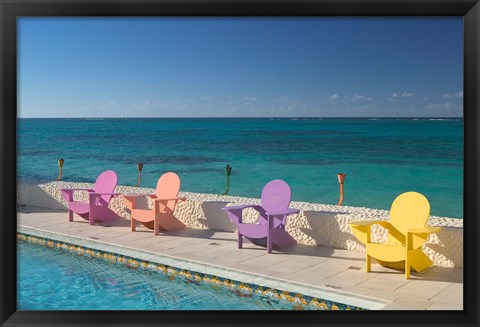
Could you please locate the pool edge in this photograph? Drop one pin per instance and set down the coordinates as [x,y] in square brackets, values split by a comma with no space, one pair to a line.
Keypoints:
[277,285]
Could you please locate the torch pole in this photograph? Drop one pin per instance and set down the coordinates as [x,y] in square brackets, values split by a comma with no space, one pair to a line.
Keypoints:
[228,171]
[139,168]
[60,166]
[341,181]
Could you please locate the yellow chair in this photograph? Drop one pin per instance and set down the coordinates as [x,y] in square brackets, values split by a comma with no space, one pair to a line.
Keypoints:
[407,231]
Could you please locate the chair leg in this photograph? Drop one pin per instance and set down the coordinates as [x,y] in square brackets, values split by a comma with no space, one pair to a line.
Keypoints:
[91,218]
[269,234]
[368,263]
[240,240]
[368,259]
[70,215]
[407,266]
[132,224]
[156,226]
[408,246]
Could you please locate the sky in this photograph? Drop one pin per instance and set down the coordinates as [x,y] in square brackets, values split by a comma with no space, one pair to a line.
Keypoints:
[240,67]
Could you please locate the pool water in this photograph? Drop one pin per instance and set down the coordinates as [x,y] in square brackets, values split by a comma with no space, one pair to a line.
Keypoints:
[52,279]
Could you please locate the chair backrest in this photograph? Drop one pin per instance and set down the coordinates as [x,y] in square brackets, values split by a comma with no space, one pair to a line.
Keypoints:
[106,183]
[168,186]
[409,210]
[276,196]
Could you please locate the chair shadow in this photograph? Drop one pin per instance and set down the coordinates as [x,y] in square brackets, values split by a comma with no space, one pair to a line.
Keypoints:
[215,218]
[431,274]
[321,226]
[441,274]
[440,248]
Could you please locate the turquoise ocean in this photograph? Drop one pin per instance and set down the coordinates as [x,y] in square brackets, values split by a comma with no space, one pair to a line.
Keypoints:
[381,157]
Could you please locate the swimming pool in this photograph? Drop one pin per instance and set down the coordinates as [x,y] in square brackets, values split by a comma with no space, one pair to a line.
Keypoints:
[51,278]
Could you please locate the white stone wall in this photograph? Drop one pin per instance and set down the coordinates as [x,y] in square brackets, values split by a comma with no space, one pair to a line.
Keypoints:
[316,224]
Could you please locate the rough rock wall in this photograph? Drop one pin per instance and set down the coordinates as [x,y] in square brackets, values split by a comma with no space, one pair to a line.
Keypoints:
[316,224]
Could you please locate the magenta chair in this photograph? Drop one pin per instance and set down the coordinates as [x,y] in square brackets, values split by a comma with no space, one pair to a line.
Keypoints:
[98,199]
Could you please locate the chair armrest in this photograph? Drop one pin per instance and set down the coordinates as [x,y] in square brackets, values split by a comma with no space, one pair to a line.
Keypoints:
[417,236]
[105,193]
[287,212]
[76,189]
[134,195]
[360,223]
[96,196]
[425,230]
[67,193]
[176,199]
[361,229]
[130,200]
[243,206]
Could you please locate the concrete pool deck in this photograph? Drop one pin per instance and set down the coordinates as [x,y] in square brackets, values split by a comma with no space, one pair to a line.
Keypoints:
[333,274]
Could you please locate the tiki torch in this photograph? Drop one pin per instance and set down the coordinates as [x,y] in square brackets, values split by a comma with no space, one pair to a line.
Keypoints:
[139,168]
[228,171]
[341,180]
[60,166]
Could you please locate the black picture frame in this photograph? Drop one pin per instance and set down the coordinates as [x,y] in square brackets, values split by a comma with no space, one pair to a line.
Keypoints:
[10,10]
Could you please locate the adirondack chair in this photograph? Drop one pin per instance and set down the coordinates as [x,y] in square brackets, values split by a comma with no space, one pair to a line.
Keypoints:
[272,218]
[98,199]
[160,216]
[407,231]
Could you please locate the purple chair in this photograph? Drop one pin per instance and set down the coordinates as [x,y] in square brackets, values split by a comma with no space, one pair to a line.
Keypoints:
[273,212]
[98,198]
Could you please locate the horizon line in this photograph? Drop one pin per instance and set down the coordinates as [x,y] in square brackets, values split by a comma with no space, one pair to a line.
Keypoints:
[265,117]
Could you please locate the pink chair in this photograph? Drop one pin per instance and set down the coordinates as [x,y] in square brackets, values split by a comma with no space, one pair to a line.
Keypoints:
[164,202]
[98,199]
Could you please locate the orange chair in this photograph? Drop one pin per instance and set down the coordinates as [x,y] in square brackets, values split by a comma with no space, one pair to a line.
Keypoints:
[160,216]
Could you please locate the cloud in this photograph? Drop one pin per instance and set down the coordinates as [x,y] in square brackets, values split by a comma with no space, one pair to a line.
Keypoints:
[357,107]
[333,97]
[106,105]
[397,96]
[249,98]
[454,95]
[446,105]
[357,97]
[284,106]
[109,103]
[405,94]
[281,99]
[205,97]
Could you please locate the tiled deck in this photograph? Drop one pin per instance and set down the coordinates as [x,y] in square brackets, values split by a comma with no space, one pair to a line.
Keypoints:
[333,274]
